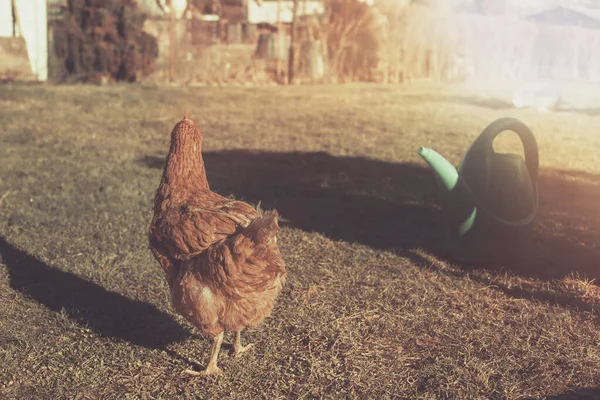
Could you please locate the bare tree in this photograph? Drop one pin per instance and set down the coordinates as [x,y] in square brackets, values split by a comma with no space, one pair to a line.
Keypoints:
[292,43]
[352,40]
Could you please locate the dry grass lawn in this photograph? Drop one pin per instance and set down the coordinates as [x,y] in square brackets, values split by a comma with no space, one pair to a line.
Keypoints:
[371,311]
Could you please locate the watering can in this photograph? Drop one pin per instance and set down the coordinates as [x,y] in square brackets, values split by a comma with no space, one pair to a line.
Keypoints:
[490,202]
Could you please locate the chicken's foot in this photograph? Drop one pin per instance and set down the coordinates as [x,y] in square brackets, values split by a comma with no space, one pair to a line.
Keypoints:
[212,367]
[238,349]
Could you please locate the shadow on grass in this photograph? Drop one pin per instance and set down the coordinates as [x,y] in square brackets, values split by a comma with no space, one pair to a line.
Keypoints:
[567,228]
[498,104]
[591,112]
[575,394]
[380,204]
[568,238]
[107,313]
[394,206]
[491,103]
[566,242]
[495,103]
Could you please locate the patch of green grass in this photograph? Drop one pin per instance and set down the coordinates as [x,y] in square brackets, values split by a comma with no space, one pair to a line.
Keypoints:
[369,311]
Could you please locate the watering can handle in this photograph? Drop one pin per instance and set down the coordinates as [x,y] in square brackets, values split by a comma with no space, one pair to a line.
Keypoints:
[529,143]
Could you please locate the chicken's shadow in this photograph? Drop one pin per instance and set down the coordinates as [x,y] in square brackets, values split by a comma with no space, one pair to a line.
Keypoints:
[107,313]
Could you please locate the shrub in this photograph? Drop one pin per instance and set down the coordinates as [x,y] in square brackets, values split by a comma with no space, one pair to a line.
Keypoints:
[99,40]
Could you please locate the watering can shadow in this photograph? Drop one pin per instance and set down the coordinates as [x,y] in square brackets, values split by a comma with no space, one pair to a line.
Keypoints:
[489,203]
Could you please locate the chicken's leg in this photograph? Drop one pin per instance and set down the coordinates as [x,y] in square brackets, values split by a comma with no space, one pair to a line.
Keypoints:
[212,368]
[238,349]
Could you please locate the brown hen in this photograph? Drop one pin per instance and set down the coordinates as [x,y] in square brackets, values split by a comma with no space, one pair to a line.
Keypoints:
[220,256]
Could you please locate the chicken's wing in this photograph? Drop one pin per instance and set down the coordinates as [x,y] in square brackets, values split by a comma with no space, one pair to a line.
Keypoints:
[184,232]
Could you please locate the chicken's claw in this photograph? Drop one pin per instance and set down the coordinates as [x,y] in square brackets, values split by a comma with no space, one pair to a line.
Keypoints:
[239,350]
[210,370]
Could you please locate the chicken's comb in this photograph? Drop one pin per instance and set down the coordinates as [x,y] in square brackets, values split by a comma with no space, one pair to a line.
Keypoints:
[186,115]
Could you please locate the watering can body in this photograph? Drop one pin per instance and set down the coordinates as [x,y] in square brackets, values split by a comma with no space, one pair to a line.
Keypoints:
[490,202]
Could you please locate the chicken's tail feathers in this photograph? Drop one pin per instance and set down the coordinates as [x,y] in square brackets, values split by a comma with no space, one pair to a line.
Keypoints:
[264,228]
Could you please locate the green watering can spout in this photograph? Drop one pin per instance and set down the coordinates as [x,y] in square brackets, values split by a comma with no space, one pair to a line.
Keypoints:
[446,173]
[456,197]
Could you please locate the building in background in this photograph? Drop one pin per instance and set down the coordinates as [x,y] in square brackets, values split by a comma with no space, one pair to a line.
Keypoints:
[27,19]
[269,12]
[7,26]
[582,17]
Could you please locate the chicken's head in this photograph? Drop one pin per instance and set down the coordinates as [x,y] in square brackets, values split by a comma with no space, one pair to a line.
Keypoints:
[184,163]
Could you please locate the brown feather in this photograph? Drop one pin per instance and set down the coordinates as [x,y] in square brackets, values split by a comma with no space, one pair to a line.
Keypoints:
[220,256]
